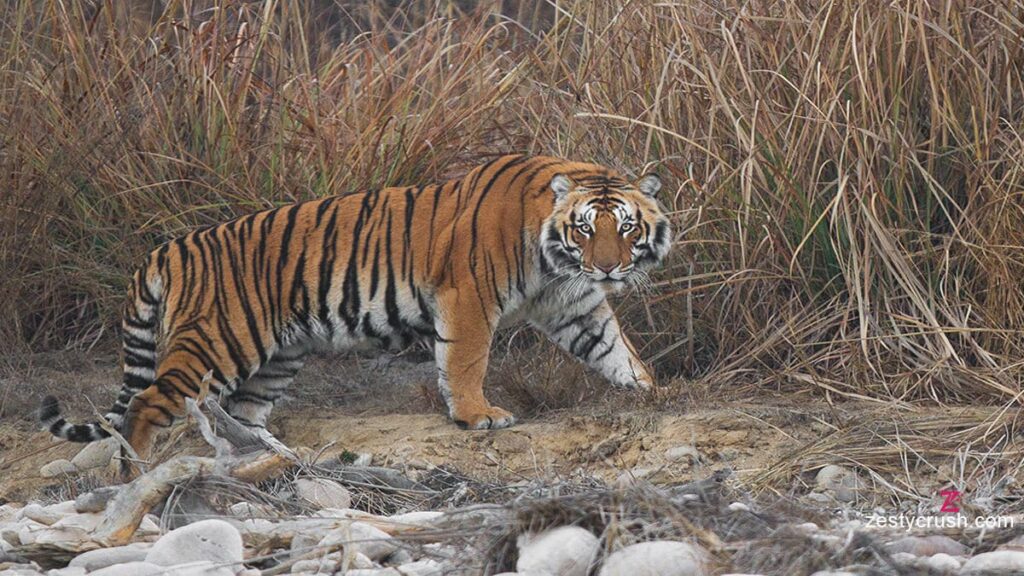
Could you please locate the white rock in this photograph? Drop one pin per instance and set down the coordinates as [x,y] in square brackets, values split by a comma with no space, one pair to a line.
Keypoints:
[23,532]
[562,551]
[322,493]
[46,514]
[9,513]
[361,561]
[342,513]
[21,570]
[360,537]
[96,500]
[200,569]
[927,545]
[400,556]
[149,526]
[96,559]
[67,571]
[998,562]
[942,563]
[212,540]
[247,510]
[424,518]
[59,467]
[130,569]
[421,568]
[364,459]
[96,454]
[314,566]
[657,558]
[842,482]
[681,453]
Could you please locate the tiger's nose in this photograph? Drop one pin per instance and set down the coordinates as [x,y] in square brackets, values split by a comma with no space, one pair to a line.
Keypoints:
[606,269]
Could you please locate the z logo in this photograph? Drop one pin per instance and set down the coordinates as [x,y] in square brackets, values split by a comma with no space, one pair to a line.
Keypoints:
[950,502]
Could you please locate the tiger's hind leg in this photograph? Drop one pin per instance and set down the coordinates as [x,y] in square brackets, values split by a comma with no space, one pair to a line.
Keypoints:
[179,375]
[252,401]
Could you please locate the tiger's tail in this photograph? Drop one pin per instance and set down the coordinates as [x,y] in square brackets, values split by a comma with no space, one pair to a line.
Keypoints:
[139,344]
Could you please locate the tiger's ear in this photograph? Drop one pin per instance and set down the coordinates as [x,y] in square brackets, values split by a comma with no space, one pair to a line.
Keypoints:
[562,185]
[649,184]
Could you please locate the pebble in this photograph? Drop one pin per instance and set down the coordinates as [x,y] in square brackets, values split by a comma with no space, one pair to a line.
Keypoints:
[361,537]
[130,569]
[942,563]
[562,551]
[96,559]
[682,453]
[316,566]
[59,467]
[322,493]
[96,454]
[927,546]
[68,571]
[657,558]
[425,518]
[96,501]
[206,540]
[840,481]
[46,514]
[246,510]
[998,562]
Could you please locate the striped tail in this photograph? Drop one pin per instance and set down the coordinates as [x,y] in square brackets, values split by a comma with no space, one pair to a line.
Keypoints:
[139,344]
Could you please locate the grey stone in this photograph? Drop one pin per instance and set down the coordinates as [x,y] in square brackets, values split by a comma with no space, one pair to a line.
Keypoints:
[96,500]
[927,546]
[67,571]
[657,558]
[95,454]
[59,467]
[361,537]
[212,540]
[998,562]
[322,493]
[96,559]
[566,550]
[682,453]
[842,482]
[130,569]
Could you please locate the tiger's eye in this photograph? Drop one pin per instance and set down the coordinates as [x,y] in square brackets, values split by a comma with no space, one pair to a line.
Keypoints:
[626,228]
[585,229]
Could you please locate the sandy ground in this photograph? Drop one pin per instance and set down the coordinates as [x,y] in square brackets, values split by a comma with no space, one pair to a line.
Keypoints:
[386,407]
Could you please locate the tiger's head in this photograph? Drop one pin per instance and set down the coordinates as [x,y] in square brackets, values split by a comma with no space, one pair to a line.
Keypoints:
[605,229]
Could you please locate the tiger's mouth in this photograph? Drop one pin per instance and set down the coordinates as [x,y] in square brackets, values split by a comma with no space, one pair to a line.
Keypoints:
[608,276]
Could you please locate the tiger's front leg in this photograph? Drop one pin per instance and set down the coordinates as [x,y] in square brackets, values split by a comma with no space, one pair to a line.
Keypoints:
[462,350]
[587,329]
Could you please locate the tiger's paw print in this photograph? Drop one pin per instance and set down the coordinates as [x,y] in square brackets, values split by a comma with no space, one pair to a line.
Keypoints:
[491,418]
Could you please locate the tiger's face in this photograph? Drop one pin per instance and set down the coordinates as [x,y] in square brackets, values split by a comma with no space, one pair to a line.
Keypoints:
[605,230]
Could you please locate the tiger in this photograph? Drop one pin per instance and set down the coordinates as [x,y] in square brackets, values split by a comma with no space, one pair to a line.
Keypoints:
[234,309]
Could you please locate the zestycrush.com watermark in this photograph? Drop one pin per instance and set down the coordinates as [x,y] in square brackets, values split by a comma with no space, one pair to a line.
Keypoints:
[958,521]
[950,516]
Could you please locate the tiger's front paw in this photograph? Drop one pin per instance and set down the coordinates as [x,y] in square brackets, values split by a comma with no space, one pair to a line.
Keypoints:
[639,383]
[490,418]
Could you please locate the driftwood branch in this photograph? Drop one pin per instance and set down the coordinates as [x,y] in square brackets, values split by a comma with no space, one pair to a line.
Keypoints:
[125,512]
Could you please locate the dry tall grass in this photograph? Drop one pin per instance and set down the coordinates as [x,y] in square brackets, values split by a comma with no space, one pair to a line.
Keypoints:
[848,174]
